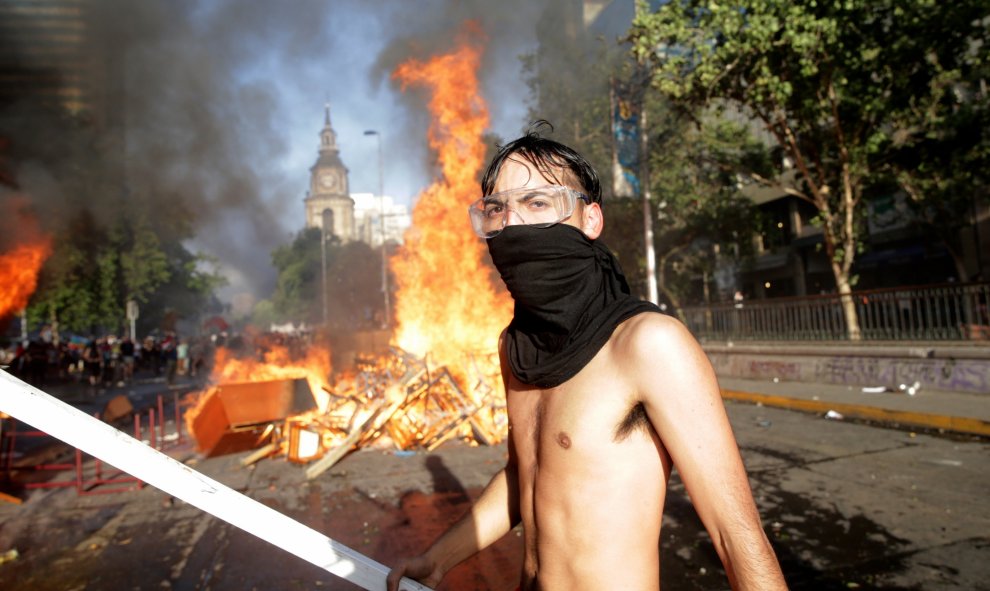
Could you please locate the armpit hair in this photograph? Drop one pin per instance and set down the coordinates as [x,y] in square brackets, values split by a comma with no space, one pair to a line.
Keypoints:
[634,420]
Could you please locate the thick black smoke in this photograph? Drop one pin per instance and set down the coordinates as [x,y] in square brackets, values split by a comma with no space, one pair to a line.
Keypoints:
[187,127]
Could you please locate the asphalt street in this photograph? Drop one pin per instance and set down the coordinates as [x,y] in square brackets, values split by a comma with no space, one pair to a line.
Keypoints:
[847,505]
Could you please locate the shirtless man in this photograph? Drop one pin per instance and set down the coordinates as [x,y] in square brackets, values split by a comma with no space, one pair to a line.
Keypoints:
[604,395]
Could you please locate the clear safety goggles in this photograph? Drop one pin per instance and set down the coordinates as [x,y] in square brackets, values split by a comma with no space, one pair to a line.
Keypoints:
[533,206]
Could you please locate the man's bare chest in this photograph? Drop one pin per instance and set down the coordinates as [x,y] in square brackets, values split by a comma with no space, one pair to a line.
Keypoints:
[582,419]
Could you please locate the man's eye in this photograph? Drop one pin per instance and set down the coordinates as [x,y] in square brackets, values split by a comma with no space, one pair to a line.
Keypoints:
[493,209]
[537,204]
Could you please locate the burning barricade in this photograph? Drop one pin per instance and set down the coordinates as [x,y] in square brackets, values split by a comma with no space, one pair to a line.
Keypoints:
[282,407]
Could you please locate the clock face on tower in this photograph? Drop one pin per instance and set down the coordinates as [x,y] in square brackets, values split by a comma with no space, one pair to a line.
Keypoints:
[328,180]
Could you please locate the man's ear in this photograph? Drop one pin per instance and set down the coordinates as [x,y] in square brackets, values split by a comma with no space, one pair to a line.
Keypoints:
[592,220]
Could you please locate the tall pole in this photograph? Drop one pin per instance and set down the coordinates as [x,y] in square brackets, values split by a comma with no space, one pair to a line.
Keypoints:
[323,266]
[644,181]
[381,222]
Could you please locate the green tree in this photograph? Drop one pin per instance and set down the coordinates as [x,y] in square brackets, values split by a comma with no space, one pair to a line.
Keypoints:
[94,271]
[695,203]
[835,84]
[943,168]
[699,205]
[353,283]
[298,294]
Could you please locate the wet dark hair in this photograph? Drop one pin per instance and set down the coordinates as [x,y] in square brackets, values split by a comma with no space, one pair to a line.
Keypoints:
[548,156]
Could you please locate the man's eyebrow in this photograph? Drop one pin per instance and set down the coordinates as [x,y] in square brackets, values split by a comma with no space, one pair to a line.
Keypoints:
[530,195]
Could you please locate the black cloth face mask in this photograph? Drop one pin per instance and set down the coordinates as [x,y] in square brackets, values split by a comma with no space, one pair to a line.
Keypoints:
[569,294]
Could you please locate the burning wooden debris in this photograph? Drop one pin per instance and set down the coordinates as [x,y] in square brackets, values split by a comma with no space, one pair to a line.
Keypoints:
[397,401]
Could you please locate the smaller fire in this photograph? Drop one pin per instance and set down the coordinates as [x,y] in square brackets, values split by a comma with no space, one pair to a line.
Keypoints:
[21,265]
[277,363]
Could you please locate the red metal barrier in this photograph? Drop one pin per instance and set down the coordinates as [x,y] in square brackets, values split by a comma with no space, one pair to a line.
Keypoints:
[90,477]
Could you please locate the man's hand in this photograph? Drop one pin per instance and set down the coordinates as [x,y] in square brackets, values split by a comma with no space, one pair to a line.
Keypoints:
[419,568]
[491,517]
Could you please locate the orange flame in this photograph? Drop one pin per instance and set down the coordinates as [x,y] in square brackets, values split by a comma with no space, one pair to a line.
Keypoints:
[20,266]
[276,364]
[446,304]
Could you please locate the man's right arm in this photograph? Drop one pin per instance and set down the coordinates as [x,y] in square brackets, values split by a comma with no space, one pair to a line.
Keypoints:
[491,517]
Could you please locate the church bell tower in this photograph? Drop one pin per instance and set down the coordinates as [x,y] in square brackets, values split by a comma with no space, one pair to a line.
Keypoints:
[328,203]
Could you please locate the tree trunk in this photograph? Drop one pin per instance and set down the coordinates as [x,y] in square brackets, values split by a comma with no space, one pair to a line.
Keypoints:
[848,308]
[675,302]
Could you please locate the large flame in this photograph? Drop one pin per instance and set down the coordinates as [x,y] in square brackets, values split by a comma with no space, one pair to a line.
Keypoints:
[21,264]
[446,308]
[446,305]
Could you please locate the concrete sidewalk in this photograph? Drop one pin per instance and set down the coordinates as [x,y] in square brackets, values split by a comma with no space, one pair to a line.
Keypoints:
[932,409]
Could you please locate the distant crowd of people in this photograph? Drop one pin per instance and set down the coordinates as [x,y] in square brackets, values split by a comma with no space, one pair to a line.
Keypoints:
[107,360]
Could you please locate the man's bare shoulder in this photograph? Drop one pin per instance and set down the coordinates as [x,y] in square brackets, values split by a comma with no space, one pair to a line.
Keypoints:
[650,333]
[651,345]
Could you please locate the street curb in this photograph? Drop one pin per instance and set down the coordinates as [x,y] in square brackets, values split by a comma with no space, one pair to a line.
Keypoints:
[931,421]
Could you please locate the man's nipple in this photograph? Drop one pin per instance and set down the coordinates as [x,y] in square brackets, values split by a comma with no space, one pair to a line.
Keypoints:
[563,440]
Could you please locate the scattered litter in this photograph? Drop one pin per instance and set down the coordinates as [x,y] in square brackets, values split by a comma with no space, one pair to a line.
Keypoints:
[944,462]
[776,380]
[404,453]
[9,556]
[835,416]
[910,390]
[875,389]
[764,423]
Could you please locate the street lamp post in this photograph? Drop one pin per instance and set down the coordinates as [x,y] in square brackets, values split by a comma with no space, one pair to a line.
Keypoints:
[323,266]
[381,221]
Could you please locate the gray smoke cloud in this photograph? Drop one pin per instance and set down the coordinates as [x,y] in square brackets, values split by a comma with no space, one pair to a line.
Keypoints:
[196,102]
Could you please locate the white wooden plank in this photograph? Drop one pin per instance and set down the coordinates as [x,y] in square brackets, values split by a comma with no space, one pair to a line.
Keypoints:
[64,422]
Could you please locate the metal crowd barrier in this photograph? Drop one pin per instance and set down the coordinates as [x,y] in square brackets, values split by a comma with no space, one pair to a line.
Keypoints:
[89,475]
[946,312]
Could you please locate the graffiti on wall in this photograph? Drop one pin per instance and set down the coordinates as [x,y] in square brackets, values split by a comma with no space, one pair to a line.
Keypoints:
[942,374]
[964,375]
[768,368]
